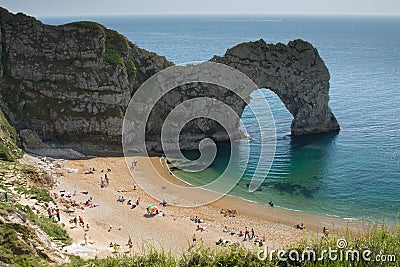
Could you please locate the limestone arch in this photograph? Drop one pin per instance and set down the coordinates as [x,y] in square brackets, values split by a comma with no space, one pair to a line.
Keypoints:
[296,73]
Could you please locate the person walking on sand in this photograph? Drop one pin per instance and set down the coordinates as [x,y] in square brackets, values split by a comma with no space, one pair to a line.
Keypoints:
[252,233]
[246,233]
[325,232]
[106,178]
[58,215]
[85,237]
[49,212]
[194,240]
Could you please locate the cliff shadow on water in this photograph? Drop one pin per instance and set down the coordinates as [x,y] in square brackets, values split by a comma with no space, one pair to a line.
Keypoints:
[300,170]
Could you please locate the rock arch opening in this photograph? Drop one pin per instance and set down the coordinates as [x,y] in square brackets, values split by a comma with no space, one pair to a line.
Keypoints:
[296,73]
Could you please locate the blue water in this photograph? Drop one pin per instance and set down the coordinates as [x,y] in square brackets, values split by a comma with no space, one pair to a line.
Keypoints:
[352,174]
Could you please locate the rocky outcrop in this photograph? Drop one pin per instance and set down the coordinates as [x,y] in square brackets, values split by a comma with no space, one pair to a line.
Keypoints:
[296,73]
[71,84]
[32,143]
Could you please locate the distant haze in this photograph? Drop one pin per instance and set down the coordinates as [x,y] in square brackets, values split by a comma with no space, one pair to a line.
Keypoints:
[43,8]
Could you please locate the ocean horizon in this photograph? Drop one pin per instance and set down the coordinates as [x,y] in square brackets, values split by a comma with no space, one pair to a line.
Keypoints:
[350,174]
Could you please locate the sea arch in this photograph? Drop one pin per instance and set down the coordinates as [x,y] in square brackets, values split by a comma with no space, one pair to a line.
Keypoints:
[296,73]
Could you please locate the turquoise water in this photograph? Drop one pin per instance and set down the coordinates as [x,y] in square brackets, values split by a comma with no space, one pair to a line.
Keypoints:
[351,174]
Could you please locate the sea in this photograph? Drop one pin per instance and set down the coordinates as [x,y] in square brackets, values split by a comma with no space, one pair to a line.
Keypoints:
[351,174]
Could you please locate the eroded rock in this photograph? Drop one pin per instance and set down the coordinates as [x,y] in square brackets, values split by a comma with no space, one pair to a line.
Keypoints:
[71,84]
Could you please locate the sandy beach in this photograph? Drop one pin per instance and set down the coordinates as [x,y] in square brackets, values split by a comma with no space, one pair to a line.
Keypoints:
[111,221]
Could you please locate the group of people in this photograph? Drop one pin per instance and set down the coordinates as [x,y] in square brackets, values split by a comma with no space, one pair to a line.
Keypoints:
[54,213]
[201,228]
[81,222]
[228,212]
[133,204]
[104,183]
[224,242]
[247,235]
[197,220]
[89,203]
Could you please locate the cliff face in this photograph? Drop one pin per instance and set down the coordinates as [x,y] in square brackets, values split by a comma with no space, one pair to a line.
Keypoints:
[71,84]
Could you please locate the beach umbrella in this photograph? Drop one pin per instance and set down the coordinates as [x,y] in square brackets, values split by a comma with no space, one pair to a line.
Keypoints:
[149,207]
[154,208]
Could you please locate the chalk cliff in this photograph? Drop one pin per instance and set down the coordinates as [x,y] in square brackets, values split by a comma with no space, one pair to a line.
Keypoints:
[71,84]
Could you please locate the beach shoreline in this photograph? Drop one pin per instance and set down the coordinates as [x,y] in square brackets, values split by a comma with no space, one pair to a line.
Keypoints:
[114,222]
[276,214]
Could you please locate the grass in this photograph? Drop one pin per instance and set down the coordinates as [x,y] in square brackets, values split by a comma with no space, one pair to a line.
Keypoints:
[16,238]
[50,227]
[34,192]
[9,150]
[115,47]
[12,247]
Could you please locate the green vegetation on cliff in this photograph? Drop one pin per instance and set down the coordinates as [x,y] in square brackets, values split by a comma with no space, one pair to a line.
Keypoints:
[115,46]
[20,242]
[8,140]
[117,51]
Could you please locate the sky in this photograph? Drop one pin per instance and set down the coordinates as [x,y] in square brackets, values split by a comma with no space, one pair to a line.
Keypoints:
[45,8]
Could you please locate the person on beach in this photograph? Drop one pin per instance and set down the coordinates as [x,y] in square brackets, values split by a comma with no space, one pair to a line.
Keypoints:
[233,232]
[271,204]
[193,240]
[252,233]
[76,221]
[325,232]
[109,229]
[87,227]
[58,215]
[134,186]
[106,178]
[137,201]
[130,243]
[246,233]
[225,229]
[49,212]
[81,222]
[256,239]
[85,237]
